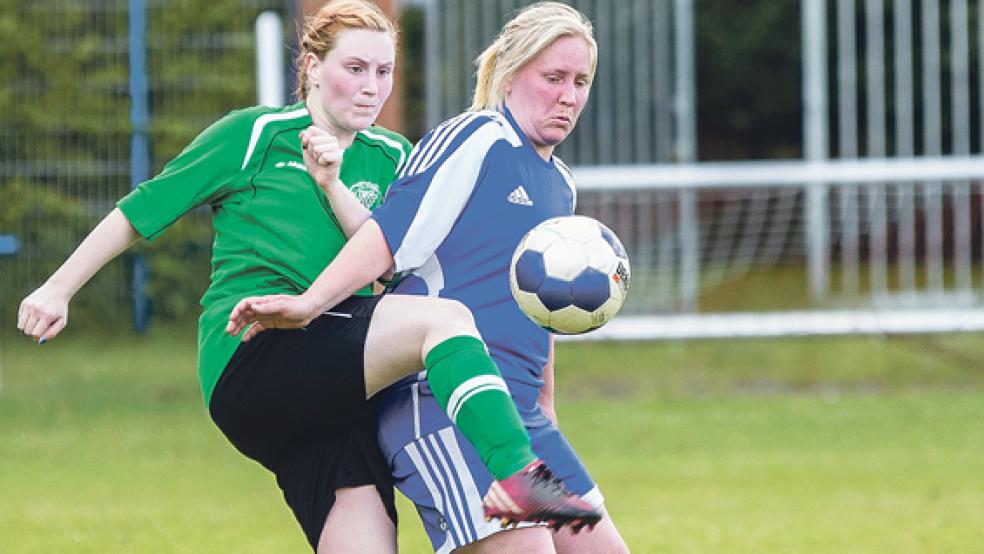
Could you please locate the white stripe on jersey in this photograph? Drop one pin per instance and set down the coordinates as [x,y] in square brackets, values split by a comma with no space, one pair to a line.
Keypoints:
[569,177]
[389,142]
[432,274]
[447,130]
[507,127]
[423,158]
[449,191]
[441,144]
[261,122]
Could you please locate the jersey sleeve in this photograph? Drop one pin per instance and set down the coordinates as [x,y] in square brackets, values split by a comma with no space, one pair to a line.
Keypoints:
[395,150]
[440,175]
[405,147]
[202,173]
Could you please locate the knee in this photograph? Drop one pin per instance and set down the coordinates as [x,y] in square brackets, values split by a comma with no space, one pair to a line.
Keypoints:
[459,313]
[450,317]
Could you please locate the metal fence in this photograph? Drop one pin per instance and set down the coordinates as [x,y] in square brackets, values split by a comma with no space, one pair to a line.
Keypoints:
[881,78]
[638,88]
[65,134]
[906,88]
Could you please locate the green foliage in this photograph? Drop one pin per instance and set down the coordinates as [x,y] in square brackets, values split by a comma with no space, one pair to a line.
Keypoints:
[748,99]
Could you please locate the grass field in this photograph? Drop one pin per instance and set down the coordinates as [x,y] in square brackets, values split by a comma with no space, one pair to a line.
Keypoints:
[794,445]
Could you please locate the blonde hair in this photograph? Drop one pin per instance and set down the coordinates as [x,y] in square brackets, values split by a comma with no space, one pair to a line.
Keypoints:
[321,31]
[521,39]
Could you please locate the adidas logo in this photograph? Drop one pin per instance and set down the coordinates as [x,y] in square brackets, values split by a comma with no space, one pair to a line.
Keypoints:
[519,196]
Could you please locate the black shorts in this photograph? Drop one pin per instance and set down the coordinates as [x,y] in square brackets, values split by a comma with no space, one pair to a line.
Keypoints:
[294,401]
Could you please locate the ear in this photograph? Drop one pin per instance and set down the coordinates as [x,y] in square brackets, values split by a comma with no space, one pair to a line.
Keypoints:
[507,86]
[311,66]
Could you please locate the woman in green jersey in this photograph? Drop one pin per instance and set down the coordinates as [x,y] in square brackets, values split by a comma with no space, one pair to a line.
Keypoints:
[295,401]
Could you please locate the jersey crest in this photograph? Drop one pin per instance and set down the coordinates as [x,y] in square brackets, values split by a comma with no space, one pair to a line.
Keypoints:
[367,193]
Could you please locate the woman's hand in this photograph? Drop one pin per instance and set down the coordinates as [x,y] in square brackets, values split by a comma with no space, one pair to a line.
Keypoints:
[322,156]
[44,313]
[278,311]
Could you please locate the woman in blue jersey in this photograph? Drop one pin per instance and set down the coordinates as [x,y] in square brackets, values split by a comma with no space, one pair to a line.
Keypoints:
[296,401]
[470,190]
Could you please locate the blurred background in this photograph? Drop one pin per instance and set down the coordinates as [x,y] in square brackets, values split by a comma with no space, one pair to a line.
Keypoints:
[776,169]
[699,146]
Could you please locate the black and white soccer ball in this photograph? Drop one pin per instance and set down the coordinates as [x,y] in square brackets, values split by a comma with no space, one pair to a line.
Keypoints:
[570,274]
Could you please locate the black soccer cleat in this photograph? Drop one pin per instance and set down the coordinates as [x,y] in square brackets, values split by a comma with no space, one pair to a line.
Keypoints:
[534,494]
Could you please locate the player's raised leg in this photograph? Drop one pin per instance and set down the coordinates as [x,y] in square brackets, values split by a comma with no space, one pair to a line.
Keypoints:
[468,386]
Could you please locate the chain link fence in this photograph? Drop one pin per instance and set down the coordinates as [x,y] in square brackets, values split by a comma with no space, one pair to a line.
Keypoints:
[65,134]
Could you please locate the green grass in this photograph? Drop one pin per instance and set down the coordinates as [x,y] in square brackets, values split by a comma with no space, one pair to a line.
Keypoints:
[794,445]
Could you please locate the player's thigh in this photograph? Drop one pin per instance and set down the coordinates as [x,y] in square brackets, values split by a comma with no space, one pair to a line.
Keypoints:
[403,329]
[529,540]
[357,523]
[603,539]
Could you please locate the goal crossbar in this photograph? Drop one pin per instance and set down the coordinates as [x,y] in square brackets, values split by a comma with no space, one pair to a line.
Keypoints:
[778,173]
[785,324]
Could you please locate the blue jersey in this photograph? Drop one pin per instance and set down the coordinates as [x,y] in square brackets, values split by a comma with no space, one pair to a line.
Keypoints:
[471,189]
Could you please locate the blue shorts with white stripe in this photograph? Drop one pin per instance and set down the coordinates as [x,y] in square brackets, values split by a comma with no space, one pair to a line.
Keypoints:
[440,472]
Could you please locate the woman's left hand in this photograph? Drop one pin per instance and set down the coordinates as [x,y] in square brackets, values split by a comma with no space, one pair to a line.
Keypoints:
[278,311]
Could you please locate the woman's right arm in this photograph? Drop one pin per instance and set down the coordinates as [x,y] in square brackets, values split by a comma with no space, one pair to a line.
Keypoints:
[323,159]
[363,258]
[44,313]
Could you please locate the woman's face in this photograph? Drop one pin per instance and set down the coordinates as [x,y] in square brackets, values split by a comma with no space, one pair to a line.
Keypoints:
[354,80]
[547,95]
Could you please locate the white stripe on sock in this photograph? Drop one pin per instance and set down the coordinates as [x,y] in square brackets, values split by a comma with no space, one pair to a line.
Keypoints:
[594,497]
[461,404]
[463,388]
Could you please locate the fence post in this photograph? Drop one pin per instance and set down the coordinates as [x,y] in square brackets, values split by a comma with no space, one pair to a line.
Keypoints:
[139,146]
[9,245]
[686,142]
[270,60]
[814,46]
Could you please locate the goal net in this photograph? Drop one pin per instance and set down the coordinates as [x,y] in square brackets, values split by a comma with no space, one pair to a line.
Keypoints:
[793,247]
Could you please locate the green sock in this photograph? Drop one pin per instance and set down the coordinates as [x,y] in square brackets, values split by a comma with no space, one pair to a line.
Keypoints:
[469,387]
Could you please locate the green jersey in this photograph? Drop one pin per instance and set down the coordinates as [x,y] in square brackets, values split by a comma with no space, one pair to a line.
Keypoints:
[274,228]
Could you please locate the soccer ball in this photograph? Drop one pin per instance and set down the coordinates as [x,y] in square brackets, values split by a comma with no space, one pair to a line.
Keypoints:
[569,274]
